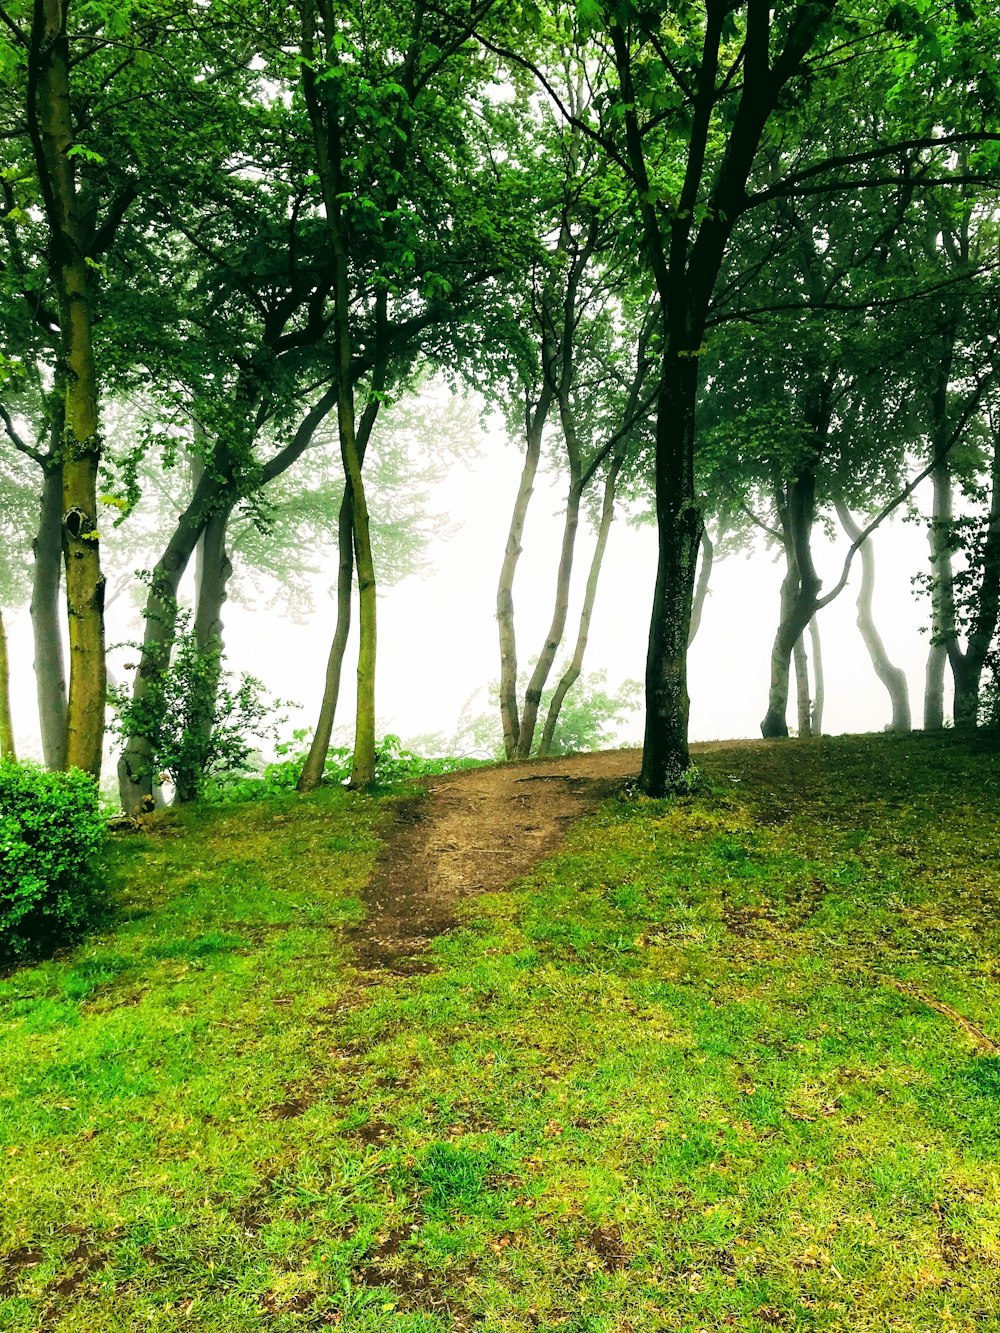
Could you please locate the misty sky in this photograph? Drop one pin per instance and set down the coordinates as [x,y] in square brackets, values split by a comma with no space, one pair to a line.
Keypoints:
[438,636]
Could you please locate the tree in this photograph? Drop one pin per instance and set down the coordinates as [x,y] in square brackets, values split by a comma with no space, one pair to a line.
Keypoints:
[695,97]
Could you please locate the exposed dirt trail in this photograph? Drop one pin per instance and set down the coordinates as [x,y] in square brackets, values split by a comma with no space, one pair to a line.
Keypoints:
[472,833]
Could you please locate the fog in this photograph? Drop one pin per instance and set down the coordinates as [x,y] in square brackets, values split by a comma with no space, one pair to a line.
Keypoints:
[438,636]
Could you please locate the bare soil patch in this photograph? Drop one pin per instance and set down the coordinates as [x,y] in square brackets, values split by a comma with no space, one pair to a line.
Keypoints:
[474,832]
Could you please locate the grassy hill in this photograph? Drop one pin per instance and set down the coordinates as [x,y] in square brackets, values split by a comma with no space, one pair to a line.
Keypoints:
[727,1062]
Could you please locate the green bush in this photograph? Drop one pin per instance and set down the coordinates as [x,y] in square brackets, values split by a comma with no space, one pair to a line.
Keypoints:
[51,835]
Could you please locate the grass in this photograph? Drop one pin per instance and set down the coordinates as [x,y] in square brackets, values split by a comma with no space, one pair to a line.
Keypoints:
[724,1063]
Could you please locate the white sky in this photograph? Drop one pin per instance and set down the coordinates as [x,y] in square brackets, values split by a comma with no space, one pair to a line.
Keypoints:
[438,635]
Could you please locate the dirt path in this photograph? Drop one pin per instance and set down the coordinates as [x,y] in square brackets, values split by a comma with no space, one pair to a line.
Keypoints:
[474,832]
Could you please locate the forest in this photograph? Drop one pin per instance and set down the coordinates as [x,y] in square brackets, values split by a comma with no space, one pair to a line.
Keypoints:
[744,274]
[512,1030]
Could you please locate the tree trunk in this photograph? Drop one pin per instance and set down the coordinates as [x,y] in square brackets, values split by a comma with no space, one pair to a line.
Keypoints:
[46,579]
[776,723]
[819,683]
[52,133]
[799,593]
[891,676]
[665,754]
[803,702]
[7,750]
[572,672]
[701,590]
[312,770]
[213,570]
[557,626]
[942,622]
[509,713]
[324,115]
[136,765]
[967,668]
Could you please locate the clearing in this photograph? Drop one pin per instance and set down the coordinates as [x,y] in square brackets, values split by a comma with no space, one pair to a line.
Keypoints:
[725,1061]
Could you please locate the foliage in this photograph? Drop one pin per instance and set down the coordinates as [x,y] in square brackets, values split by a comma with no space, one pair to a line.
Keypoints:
[396,766]
[684,1076]
[51,839]
[190,687]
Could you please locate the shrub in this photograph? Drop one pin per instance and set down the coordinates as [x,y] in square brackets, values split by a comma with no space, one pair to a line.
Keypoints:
[51,835]
[199,721]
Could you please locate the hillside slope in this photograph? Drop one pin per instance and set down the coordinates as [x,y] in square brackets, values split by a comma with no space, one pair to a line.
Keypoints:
[727,1061]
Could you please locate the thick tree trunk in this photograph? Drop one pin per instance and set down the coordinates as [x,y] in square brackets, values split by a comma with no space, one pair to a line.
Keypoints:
[799,594]
[509,712]
[891,676]
[46,628]
[7,750]
[312,770]
[819,683]
[803,702]
[665,753]
[942,619]
[51,120]
[701,589]
[572,673]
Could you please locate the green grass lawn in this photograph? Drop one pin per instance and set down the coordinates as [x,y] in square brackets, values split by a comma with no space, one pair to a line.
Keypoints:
[706,1069]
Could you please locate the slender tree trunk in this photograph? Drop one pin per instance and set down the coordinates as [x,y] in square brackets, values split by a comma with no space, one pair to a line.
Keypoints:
[967,668]
[50,119]
[46,580]
[701,589]
[776,720]
[802,700]
[312,771]
[665,753]
[325,119]
[7,750]
[572,673]
[941,577]
[557,626]
[819,683]
[891,676]
[797,515]
[213,570]
[509,713]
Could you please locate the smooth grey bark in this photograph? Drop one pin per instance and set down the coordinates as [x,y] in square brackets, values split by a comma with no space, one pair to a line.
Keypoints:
[819,682]
[967,667]
[46,626]
[701,588]
[803,702]
[535,417]
[942,621]
[796,505]
[557,625]
[891,676]
[572,673]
